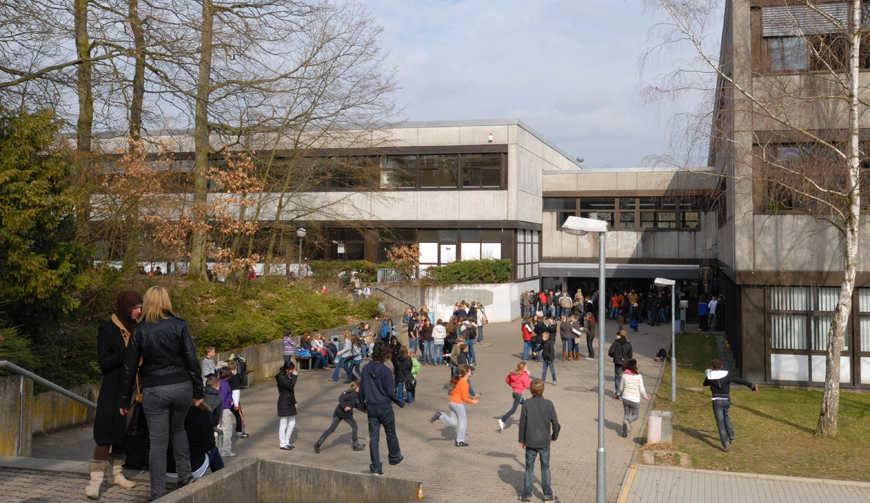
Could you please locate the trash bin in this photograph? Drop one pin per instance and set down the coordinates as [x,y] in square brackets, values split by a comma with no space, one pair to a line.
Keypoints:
[660,427]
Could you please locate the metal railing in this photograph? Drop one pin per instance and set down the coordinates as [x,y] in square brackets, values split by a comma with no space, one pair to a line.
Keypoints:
[403,301]
[5,364]
[394,276]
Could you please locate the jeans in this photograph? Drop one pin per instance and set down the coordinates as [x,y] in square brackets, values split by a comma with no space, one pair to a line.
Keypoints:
[215,461]
[456,417]
[552,366]
[518,399]
[338,366]
[165,408]
[589,347]
[630,412]
[527,346]
[386,418]
[529,479]
[354,366]
[662,317]
[400,393]
[723,421]
[439,352]
[617,376]
[567,345]
[413,344]
[471,351]
[480,333]
[428,352]
[335,420]
[288,358]
[319,359]
[613,311]
[537,349]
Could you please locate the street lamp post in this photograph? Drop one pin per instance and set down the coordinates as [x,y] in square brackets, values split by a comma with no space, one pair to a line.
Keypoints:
[670,283]
[301,233]
[580,227]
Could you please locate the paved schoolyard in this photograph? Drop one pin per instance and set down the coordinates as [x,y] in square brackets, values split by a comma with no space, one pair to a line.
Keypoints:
[491,469]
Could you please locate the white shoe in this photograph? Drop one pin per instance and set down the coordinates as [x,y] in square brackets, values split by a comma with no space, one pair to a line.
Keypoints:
[501,425]
[229,455]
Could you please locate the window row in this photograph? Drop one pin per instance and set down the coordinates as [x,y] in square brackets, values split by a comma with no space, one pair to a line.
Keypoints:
[436,246]
[440,171]
[800,318]
[630,212]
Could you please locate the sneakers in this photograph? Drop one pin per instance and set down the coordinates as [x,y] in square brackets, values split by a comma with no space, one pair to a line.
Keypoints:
[589,358]
[242,435]
[185,482]
[727,447]
[554,382]
[436,417]
[616,397]
[501,425]
[229,455]
[284,448]
[461,444]
[626,426]
[378,472]
[551,498]
[476,395]
[397,462]
[524,499]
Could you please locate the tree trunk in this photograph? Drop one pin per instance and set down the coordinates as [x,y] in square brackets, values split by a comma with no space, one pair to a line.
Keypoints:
[830,409]
[202,148]
[131,228]
[84,126]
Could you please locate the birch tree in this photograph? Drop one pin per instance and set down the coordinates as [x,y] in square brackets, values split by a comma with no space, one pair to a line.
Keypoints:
[804,90]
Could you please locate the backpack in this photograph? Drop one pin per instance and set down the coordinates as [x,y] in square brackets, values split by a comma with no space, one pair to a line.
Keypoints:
[241,364]
[385,330]
[483,319]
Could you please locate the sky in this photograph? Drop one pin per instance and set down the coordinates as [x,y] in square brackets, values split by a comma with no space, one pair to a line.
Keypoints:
[568,68]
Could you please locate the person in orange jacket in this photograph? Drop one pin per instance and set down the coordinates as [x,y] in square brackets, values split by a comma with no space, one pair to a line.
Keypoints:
[458,395]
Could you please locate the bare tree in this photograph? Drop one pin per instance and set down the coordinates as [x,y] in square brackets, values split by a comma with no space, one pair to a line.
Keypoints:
[801,91]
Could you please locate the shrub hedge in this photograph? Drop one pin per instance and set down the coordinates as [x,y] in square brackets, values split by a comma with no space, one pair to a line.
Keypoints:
[329,270]
[471,271]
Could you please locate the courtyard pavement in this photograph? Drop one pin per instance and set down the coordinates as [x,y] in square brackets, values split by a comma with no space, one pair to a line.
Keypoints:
[490,469]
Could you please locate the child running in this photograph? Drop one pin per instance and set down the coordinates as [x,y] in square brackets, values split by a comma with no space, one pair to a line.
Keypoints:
[458,395]
[286,379]
[631,389]
[347,401]
[518,380]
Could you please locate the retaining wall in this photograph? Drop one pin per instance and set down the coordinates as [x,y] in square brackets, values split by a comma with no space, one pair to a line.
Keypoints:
[13,415]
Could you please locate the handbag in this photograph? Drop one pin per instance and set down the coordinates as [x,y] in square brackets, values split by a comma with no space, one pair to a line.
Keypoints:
[410,383]
[303,353]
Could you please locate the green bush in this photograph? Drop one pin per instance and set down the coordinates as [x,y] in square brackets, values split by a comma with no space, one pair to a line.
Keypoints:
[471,271]
[329,270]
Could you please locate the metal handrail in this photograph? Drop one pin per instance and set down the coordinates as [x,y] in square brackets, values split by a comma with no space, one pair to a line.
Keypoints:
[397,298]
[45,382]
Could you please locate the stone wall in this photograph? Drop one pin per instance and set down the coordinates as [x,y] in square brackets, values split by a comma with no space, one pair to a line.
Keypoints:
[53,411]
[500,300]
[12,415]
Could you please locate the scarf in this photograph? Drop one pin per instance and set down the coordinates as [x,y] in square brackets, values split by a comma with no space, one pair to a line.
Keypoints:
[125,302]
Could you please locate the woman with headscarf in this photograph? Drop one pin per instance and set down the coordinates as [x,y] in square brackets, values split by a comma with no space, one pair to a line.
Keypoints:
[109,425]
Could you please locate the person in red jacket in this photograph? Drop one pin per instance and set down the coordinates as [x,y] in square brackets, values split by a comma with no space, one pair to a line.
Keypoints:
[528,333]
[518,380]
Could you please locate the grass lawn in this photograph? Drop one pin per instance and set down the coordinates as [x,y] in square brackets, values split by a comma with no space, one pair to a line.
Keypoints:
[773,429]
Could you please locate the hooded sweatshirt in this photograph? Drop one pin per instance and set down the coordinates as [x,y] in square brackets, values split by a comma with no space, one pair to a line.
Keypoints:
[620,350]
[720,383]
[439,333]
[518,380]
[377,388]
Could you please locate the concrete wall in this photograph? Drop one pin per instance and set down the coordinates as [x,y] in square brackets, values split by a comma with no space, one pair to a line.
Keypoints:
[12,415]
[261,481]
[53,411]
[500,301]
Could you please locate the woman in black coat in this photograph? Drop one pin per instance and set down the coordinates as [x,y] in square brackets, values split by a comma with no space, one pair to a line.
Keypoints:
[286,380]
[109,425]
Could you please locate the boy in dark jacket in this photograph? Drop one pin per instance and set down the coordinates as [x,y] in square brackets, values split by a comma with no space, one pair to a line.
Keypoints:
[620,350]
[720,381]
[539,427]
[377,393]
[548,353]
[213,399]
[347,401]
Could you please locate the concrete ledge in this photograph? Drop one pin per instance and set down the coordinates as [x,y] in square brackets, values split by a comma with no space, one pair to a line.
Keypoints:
[60,465]
[239,481]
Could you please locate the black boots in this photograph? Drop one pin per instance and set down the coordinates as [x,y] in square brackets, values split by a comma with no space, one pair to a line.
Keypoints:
[358,446]
[318,444]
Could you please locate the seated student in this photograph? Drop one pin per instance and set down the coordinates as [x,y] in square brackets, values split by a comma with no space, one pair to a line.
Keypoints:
[204,454]
[316,356]
[320,345]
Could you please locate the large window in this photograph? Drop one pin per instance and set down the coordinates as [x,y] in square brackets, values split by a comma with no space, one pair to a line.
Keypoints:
[630,213]
[346,244]
[788,54]
[527,254]
[483,171]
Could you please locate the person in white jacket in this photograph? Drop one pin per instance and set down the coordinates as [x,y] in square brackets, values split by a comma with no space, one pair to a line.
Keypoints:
[631,389]
[439,333]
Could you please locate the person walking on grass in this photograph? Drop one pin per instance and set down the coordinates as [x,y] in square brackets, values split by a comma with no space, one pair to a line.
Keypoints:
[458,395]
[518,380]
[539,427]
[720,381]
[631,389]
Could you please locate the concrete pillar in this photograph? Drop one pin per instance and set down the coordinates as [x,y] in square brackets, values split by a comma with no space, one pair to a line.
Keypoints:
[16,416]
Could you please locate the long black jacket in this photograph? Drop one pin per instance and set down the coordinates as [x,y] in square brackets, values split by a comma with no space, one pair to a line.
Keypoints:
[168,357]
[109,425]
[286,394]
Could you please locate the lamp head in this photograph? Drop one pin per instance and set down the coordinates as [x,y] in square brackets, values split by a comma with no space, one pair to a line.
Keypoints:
[664,282]
[301,232]
[581,226]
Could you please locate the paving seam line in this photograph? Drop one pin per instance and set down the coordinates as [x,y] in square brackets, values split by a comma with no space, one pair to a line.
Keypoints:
[637,447]
[765,476]
[626,486]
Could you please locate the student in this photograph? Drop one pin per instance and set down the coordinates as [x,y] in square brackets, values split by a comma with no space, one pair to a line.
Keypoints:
[356,355]
[528,334]
[567,337]
[236,387]
[631,389]
[213,399]
[411,384]
[286,381]
[344,356]
[439,333]
[458,395]
[316,356]
[548,353]
[289,345]
[464,358]
[518,380]
[208,367]
[403,367]
[377,396]
[720,381]
[620,351]
[347,401]
[226,423]
[537,420]
[204,454]
[590,325]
